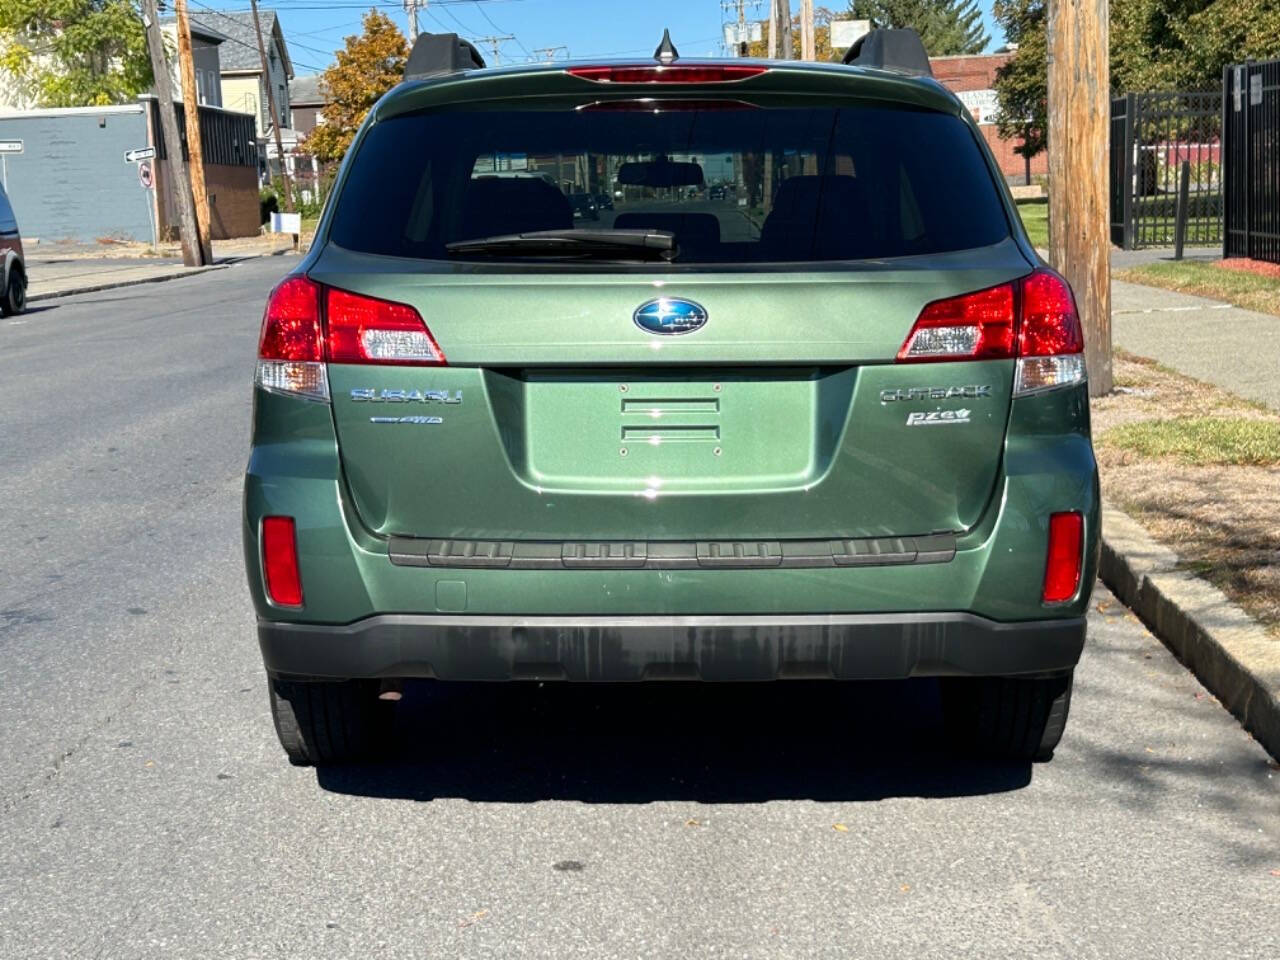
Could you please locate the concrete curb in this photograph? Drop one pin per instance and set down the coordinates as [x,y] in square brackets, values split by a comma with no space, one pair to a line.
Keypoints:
[130,282]
[1225,648]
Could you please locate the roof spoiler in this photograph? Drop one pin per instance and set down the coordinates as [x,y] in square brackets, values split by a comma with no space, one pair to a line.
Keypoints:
[901,50]
[435,54]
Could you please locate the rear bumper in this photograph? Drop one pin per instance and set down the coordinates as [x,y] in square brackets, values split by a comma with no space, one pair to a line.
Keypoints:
[847,647]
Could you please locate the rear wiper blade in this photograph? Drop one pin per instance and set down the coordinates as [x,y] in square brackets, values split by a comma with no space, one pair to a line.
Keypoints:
[583,243]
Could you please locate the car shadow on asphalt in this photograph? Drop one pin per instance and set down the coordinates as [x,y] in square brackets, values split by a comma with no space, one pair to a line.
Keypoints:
[641,743]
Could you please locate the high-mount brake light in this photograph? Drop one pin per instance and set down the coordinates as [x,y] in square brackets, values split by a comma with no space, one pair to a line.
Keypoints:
[291,347]
[675,73]
[1033,319]
[1062,557]
[367,330]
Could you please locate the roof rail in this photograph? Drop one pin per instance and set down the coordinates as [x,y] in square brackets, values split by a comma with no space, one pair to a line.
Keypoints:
[901,50]
[435,54]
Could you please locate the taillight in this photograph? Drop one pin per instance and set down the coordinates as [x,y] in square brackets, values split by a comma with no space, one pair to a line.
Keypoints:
[976,326]
[367,330]
[1050,339]
[676,73]
[1062,559]
[1033,319]
[291,347]
[297,341]
[280,561]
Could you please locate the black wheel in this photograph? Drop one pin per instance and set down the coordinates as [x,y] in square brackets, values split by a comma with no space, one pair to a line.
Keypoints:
[326,722]
[15,295]
[1013,718]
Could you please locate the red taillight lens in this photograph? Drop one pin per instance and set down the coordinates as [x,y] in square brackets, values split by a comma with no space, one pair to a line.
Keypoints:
[1062,565]
[1032,317]
[677,73]
[1050,324]
[291,323]
[280,561]
[367,330]
[970,327]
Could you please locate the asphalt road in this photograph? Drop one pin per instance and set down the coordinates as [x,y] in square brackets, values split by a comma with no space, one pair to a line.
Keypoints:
[147,811]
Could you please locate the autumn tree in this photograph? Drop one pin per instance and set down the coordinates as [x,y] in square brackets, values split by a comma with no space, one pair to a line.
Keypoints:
[947,27]
[821,37]
[73,53]
[367,67]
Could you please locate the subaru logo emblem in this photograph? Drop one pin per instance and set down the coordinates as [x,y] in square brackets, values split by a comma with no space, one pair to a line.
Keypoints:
[670,315]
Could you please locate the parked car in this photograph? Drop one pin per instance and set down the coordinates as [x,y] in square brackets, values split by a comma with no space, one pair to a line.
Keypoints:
[13,268]
[716,192]
[604,201]
[851,442]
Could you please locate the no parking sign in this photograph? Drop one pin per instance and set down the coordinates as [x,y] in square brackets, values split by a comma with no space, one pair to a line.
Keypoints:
[144,175]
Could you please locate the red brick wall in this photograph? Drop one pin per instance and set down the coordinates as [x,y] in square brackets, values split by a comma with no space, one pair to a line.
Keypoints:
[979,73]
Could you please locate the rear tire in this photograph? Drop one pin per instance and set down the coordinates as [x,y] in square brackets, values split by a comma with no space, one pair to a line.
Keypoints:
[1013,718]
[14,300]
[329,722]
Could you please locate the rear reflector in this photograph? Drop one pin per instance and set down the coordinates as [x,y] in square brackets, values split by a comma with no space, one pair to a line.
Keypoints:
[677,73]
[280,561]
[367,330]
[1062,564]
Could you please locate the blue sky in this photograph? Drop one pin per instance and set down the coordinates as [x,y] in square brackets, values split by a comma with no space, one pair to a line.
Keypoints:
[315,28]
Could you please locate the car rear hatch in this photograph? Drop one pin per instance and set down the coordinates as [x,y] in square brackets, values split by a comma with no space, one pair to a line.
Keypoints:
[744,386]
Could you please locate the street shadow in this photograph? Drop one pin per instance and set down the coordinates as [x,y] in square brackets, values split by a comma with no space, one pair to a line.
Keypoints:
[701,742]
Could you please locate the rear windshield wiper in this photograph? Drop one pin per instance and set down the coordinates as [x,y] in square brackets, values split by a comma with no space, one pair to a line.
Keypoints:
[598,243]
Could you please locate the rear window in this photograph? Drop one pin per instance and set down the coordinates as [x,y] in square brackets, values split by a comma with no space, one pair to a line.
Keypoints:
[734,184]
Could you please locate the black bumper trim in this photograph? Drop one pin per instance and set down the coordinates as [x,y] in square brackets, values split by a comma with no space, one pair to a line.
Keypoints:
[861,646]
[668,555]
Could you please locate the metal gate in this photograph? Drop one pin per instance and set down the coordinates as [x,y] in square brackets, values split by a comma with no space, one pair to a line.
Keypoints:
[1251,123]
[1152,136]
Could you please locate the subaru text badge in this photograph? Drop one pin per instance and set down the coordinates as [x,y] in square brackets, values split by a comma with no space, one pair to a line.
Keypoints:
[670,315]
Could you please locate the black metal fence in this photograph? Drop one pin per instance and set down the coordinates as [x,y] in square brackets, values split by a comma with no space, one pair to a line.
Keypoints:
[1152,136]
[227,138]
[1251,144]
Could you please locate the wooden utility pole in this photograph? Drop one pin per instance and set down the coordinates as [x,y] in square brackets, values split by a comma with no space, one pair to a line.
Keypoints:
[195,144]
[176,174]
[271,109]
[1079,215]
[808,45]
[783,10]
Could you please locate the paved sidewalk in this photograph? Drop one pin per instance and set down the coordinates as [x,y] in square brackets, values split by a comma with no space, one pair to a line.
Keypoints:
[1236,349]
[58,277]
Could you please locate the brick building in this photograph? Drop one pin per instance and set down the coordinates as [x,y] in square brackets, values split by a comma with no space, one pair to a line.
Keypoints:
[972,79]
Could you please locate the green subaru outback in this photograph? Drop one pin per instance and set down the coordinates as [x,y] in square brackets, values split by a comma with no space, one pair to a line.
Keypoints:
[804,403]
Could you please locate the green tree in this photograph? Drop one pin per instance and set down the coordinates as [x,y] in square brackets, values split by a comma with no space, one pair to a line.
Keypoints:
[73,53]
[1155,45]
[366,68]
[947,27]
[1022,83]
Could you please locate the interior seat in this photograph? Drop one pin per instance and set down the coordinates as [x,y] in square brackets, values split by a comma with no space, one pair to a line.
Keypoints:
[494,206]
